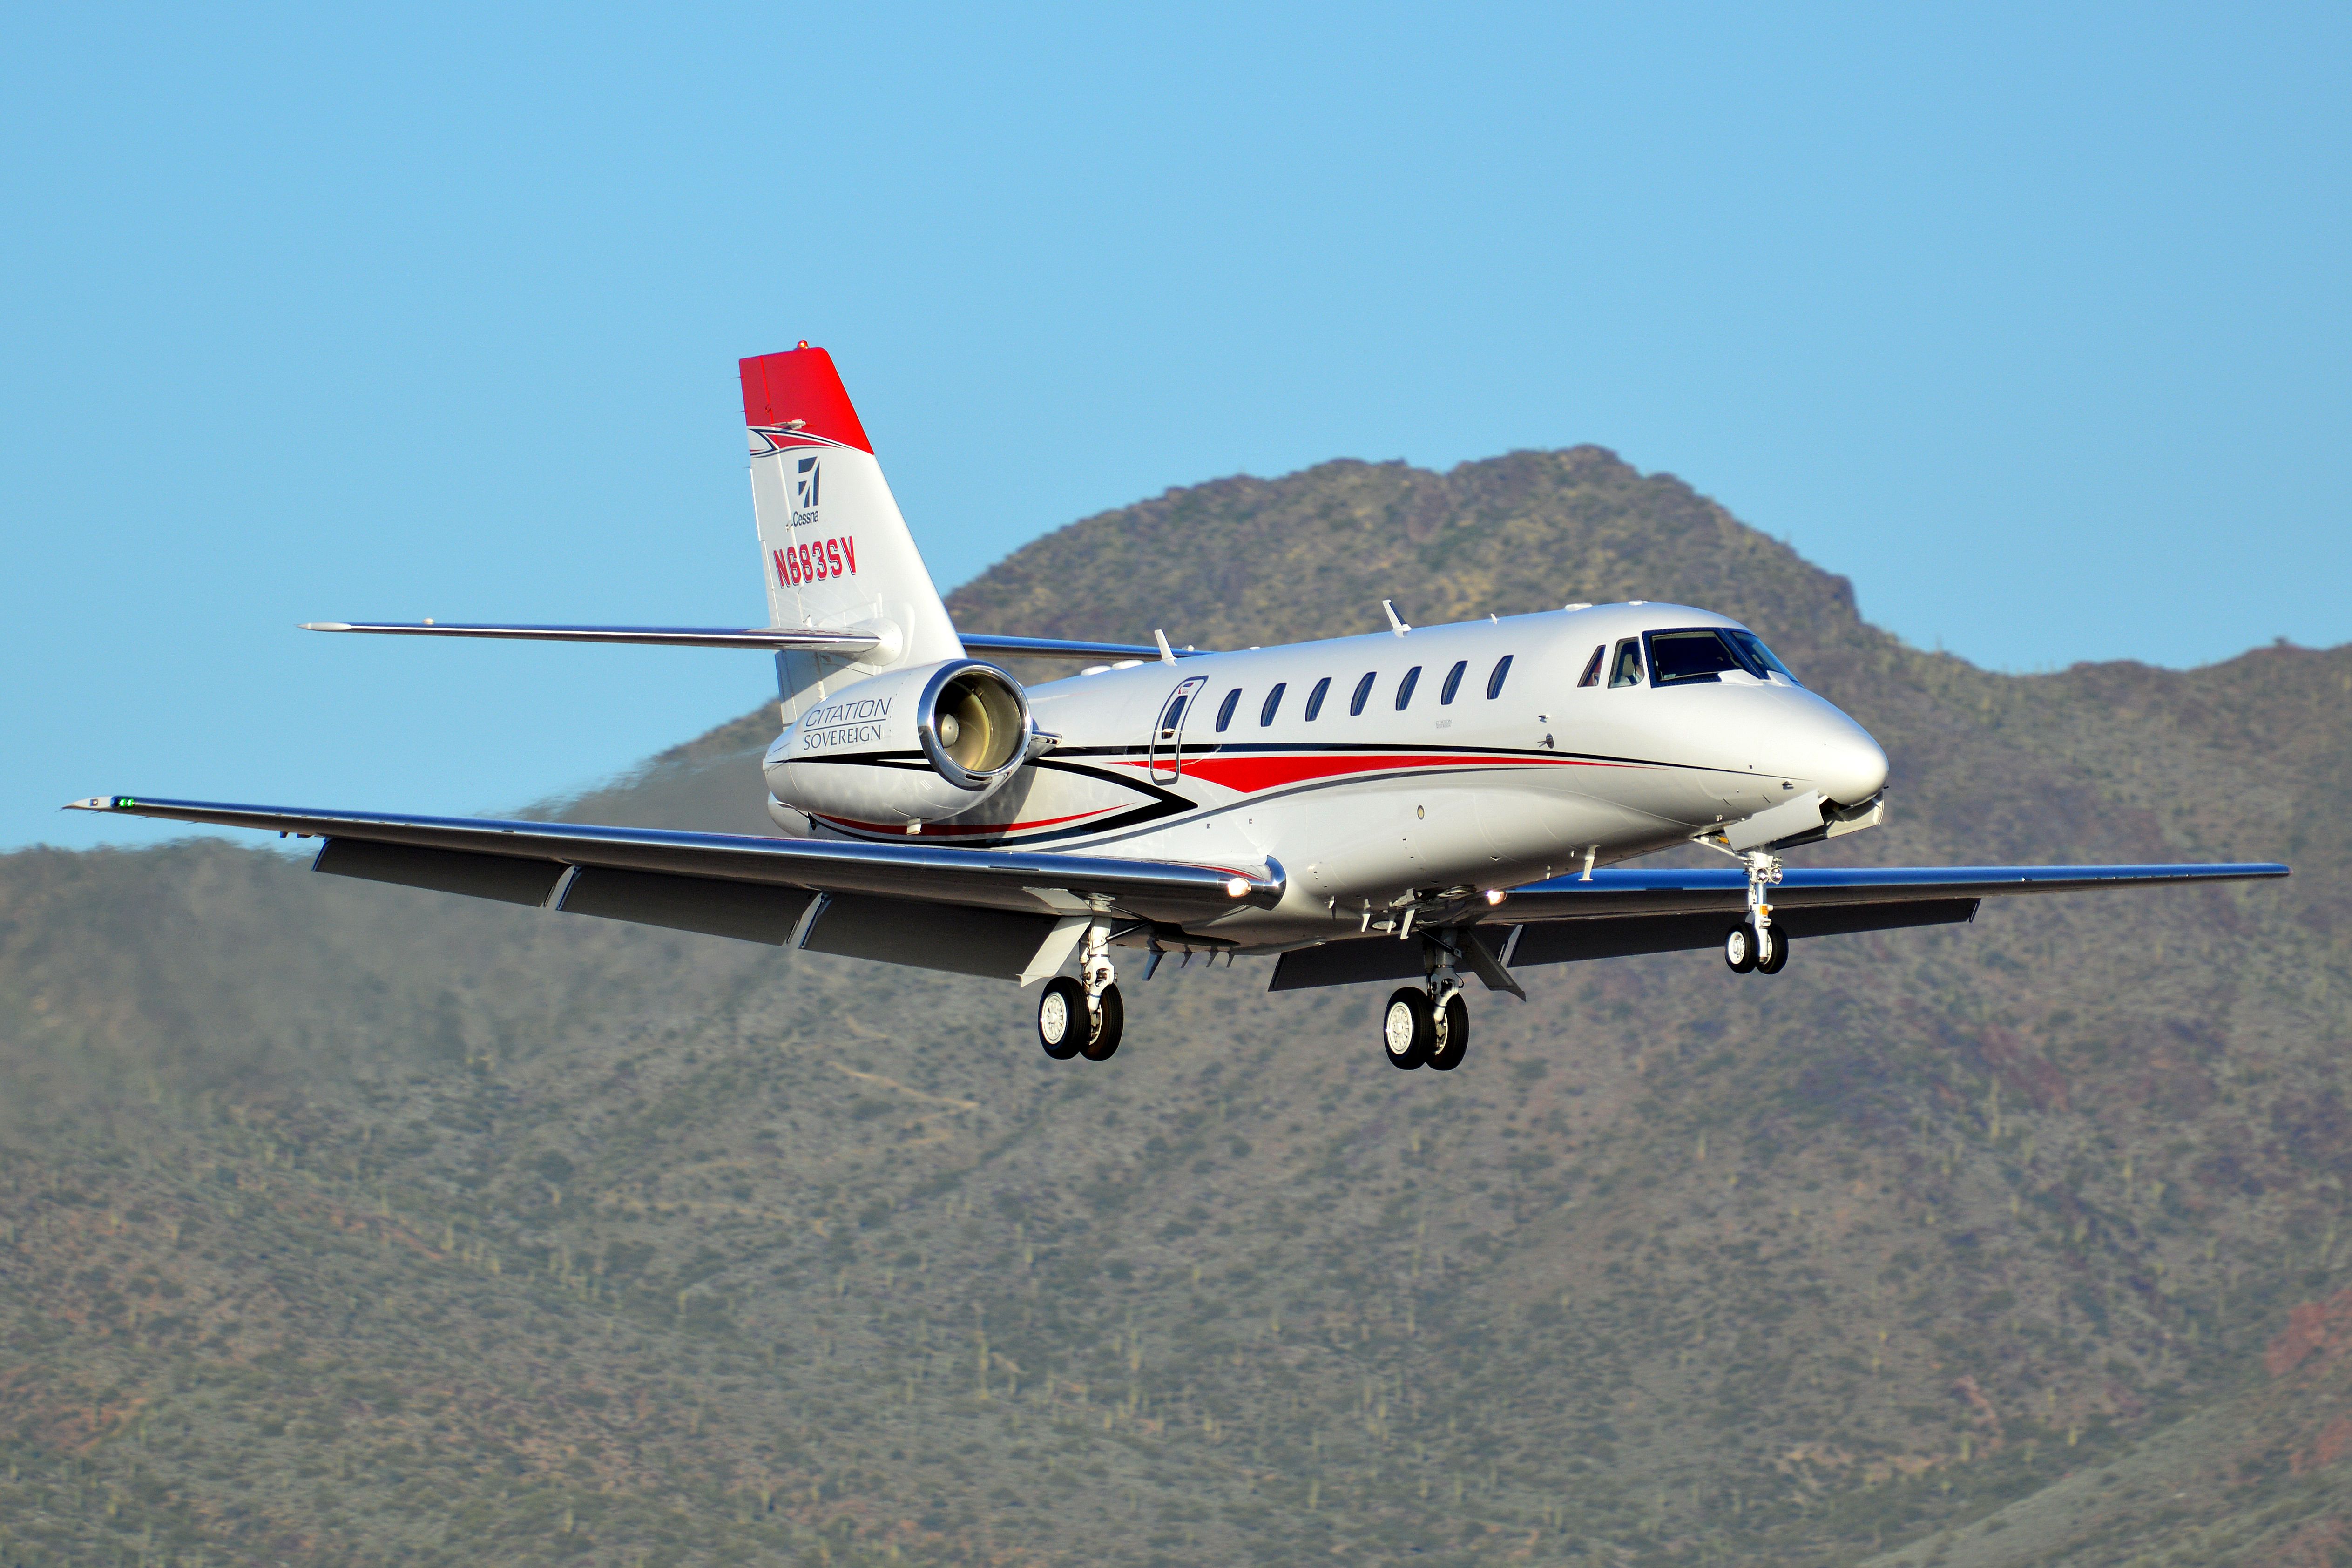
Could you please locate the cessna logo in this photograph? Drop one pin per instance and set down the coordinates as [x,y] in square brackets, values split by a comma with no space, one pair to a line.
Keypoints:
[805,478]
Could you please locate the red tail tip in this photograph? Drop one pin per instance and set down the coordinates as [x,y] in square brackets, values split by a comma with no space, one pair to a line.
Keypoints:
[799,391]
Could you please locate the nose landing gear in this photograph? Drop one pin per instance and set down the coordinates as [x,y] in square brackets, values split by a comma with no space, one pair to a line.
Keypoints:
[1756,945]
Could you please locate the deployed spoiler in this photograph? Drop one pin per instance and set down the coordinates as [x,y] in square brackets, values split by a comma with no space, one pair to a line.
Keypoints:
[774,639]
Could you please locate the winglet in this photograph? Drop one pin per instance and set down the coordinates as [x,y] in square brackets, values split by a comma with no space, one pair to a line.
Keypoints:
[1166,654]
[1395,624]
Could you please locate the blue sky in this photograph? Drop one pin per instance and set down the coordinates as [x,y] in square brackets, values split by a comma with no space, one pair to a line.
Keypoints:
[2032,321]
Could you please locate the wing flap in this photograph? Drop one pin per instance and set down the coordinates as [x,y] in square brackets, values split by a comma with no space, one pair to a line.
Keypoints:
[996,944]
[500,877]
[1358,959]
[748,911]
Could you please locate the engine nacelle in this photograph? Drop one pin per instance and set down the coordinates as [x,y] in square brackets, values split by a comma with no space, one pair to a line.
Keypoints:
[909,746]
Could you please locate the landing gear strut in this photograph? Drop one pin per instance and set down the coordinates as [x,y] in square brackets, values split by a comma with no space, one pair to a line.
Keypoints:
[1083,1018]
[1756,945]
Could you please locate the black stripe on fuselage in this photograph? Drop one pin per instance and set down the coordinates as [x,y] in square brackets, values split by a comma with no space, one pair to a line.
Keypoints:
[1166,805]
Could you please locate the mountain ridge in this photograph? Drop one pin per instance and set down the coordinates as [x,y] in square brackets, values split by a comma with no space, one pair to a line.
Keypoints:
[355,1223]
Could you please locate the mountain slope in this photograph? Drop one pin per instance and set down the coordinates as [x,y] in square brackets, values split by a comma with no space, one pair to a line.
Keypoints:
[352,1224]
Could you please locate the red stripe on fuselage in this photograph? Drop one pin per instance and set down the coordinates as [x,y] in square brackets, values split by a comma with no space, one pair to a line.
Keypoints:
[947,829]
[1248,773]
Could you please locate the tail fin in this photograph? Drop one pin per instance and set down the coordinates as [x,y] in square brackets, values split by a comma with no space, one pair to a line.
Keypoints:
[833,545]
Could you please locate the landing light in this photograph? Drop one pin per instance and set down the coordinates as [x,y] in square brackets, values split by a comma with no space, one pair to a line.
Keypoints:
[1236,887]
[1496,895]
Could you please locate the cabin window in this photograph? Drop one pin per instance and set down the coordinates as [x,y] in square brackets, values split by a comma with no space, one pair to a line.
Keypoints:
[1225,708]
[1315,699]
[1453,681]
[1592,676]
[1404,687]
[1624,670]
[1494,682]
[1759,659]
[1688,657]
[1273,701]
[1363,695]
[1174,720]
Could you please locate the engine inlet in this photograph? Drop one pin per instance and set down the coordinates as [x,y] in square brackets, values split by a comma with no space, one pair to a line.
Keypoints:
[975,723]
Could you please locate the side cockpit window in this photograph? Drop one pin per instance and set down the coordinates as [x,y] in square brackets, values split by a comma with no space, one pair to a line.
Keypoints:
[1625,670]
[1592,676]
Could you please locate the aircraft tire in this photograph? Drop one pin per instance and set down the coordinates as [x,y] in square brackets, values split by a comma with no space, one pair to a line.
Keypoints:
[1110,1021]
[1453,1035]
[1408,1028]
[1062,1018]
[1774,955]
[1740,948]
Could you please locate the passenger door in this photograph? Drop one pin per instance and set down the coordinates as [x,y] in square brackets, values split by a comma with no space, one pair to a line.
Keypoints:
[1165,751]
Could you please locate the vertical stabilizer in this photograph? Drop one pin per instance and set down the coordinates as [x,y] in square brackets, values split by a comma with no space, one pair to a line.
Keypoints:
[832,546]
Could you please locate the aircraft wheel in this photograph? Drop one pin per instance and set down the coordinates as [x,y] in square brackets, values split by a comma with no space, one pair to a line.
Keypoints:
[1062,1018]
[1453,1035]
[1109,1019]
[1408,1028]
[1740,948]
[1773,953]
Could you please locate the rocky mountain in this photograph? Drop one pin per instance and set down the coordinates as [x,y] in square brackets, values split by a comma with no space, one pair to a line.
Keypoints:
[351,1223]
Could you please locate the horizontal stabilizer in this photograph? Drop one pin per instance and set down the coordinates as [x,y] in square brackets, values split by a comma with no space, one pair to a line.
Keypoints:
[992,644]
[771,639]
[774,639]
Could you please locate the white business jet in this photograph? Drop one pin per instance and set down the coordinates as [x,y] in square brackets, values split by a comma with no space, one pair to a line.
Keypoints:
[1426,803]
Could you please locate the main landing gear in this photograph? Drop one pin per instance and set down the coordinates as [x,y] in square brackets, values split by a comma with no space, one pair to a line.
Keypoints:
[1428,1027]
[1756,946]
[1083,1018]
[1417,1031]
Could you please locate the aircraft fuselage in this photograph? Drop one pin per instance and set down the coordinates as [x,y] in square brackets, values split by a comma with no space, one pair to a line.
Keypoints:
[1376,767]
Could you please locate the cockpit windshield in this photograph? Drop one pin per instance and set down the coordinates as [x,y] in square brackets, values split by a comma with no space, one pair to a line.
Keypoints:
[1679,659]
[1759,659]
[1695,654]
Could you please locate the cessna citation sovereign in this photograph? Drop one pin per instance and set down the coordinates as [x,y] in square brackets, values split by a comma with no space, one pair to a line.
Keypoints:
[1425,804]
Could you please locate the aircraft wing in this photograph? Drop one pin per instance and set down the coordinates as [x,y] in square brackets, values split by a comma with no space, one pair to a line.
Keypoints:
[766,889]
[1705,889]
[1623,912]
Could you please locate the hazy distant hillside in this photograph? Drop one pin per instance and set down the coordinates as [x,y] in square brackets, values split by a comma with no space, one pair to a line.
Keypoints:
[352,1224]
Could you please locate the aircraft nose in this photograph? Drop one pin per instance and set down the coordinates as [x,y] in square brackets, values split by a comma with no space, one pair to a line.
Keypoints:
[1849,766]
